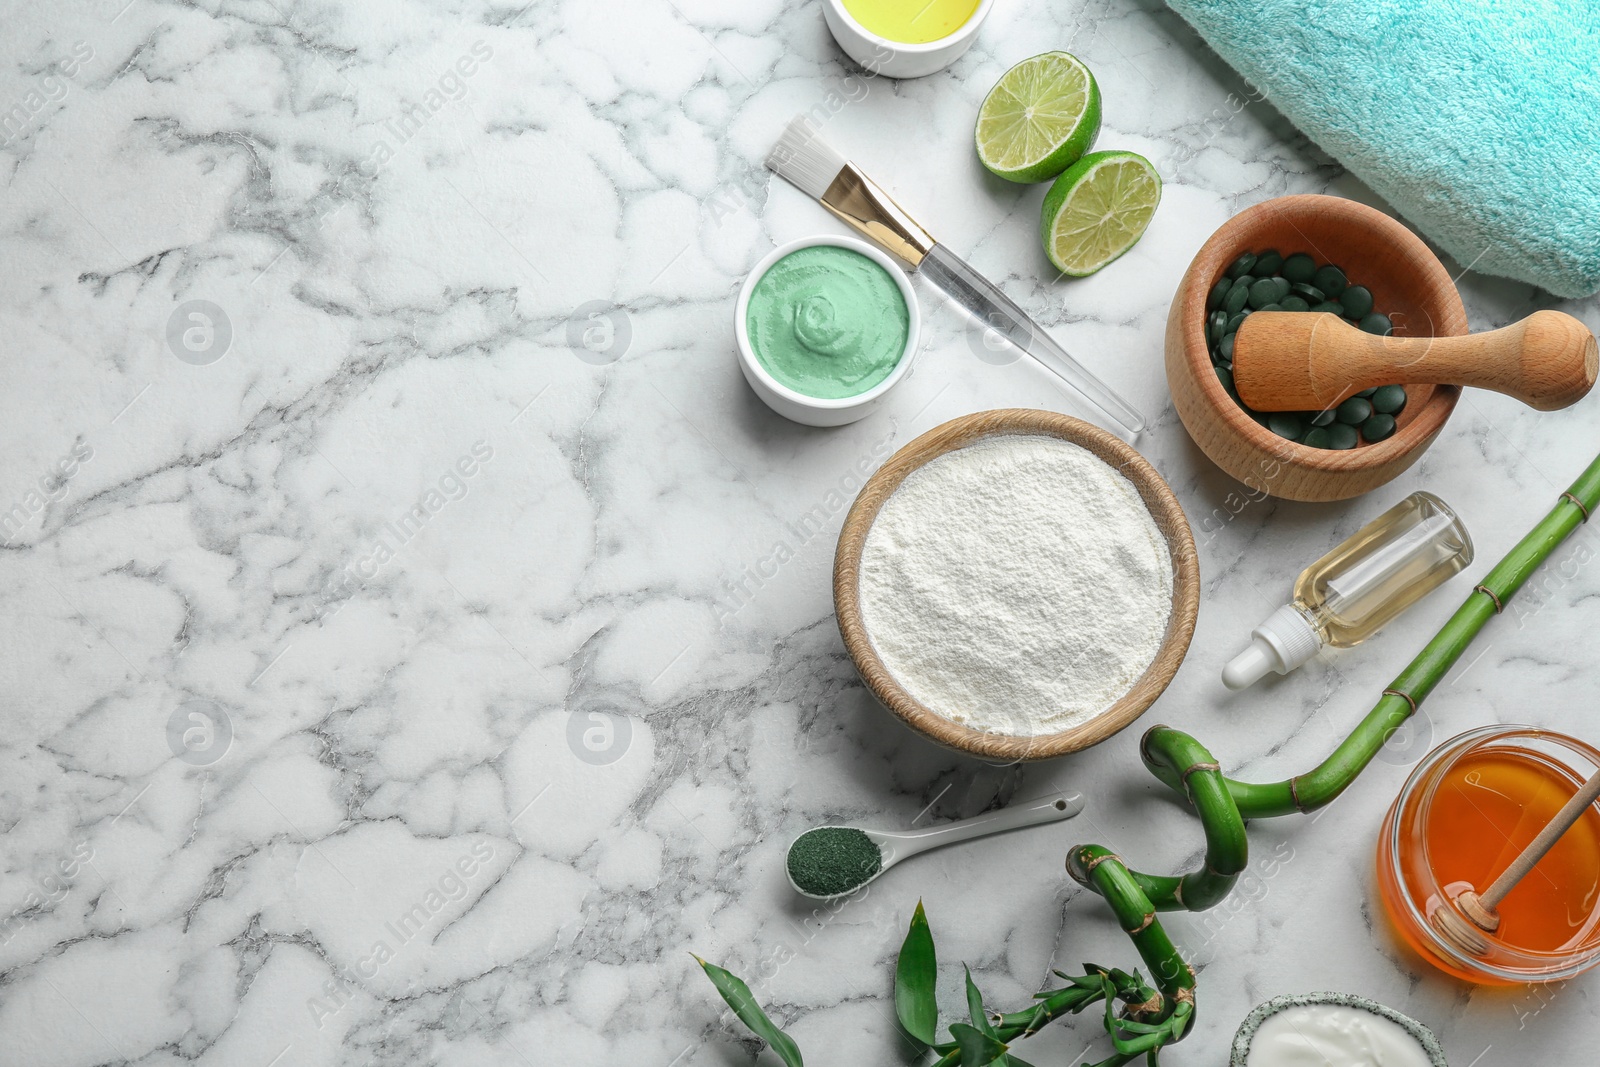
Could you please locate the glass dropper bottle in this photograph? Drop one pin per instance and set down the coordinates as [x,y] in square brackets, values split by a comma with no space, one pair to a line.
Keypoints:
[1346,596]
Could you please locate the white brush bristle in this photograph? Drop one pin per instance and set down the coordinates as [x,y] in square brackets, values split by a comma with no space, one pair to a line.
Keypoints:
[802,158]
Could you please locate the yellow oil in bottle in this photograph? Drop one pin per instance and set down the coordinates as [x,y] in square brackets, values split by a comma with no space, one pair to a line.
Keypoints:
[1344,597]
[1391,563]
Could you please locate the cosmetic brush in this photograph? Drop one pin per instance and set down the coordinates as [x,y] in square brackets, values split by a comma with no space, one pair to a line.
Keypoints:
[803,159]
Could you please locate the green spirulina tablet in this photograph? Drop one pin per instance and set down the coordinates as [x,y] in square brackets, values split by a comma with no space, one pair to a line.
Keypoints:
[1270,281]
[1285,424]
[1355,411]
[1357,301]
[1330,280]
[1389,399]
[1236,298]
[1299,267]
[1378,428]
[1263,291]
[1377,323]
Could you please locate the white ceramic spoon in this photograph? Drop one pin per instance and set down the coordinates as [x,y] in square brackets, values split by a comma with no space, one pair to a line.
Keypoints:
[896,846]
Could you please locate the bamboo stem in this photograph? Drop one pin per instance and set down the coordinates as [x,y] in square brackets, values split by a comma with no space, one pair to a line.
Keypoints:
[1103,871]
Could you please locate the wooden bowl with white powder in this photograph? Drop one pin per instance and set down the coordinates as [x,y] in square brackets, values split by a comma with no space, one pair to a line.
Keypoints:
[1016,584]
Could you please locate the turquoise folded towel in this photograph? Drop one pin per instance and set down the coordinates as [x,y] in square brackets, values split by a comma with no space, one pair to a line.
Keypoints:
[1478,120]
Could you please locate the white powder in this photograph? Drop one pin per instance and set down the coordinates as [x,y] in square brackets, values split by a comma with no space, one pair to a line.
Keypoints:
[1018,585]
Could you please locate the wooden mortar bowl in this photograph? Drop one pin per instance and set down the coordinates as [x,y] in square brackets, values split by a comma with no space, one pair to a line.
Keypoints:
[1409,284]
[957,433]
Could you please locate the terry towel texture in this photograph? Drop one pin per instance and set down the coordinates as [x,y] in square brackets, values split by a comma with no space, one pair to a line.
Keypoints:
[1479,120]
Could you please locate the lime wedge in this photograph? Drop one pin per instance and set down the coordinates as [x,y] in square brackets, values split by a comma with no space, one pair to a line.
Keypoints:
[1098,209]
[1039,118]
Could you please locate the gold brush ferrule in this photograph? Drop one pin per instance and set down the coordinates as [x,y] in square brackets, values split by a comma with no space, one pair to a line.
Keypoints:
[857,200]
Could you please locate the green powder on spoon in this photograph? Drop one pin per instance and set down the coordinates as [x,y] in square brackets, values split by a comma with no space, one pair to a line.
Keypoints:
[831,861]
[828,322]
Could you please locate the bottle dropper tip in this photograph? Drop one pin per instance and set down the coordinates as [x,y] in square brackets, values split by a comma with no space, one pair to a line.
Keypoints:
[1249,666]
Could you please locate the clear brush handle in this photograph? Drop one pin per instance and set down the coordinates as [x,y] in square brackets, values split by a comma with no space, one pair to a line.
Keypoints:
[981,299]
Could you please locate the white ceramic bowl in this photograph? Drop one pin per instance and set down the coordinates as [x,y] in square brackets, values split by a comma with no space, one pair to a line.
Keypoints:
[897,59]
[812,410]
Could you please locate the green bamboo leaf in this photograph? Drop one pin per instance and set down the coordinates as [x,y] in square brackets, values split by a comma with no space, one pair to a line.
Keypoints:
[1111,1009]
[977,1048]
[744,1005]
[1083,981]
[1128,1026]
[981,1021]
[980,1018]
[915,975]
[1139,1045]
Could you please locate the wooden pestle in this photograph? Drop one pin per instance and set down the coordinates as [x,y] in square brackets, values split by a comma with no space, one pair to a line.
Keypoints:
[1302,361]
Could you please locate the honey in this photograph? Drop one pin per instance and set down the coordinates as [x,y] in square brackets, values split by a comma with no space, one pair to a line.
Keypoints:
[1467,812]
[1486,810]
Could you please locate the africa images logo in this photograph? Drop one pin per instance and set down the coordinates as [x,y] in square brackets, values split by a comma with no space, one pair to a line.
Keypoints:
[599,732]
[599,332]
[199,733]
[199,332]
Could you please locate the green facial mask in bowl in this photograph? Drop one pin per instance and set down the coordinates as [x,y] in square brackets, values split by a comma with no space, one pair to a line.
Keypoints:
[828,322]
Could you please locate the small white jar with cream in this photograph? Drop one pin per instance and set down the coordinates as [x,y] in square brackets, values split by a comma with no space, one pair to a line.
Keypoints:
[1332,1030]
[825,327]
[905,40]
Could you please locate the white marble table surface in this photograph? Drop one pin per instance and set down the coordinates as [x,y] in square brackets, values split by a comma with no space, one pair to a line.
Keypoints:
[400,218]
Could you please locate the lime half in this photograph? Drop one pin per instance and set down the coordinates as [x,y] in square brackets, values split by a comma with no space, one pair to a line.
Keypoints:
[1098,209]
[1039,118]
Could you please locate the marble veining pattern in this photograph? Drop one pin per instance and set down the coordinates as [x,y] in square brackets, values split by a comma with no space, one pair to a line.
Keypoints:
[418,639]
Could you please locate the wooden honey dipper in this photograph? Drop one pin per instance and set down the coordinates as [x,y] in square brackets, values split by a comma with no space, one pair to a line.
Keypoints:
[1310,361]
[1481,908]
